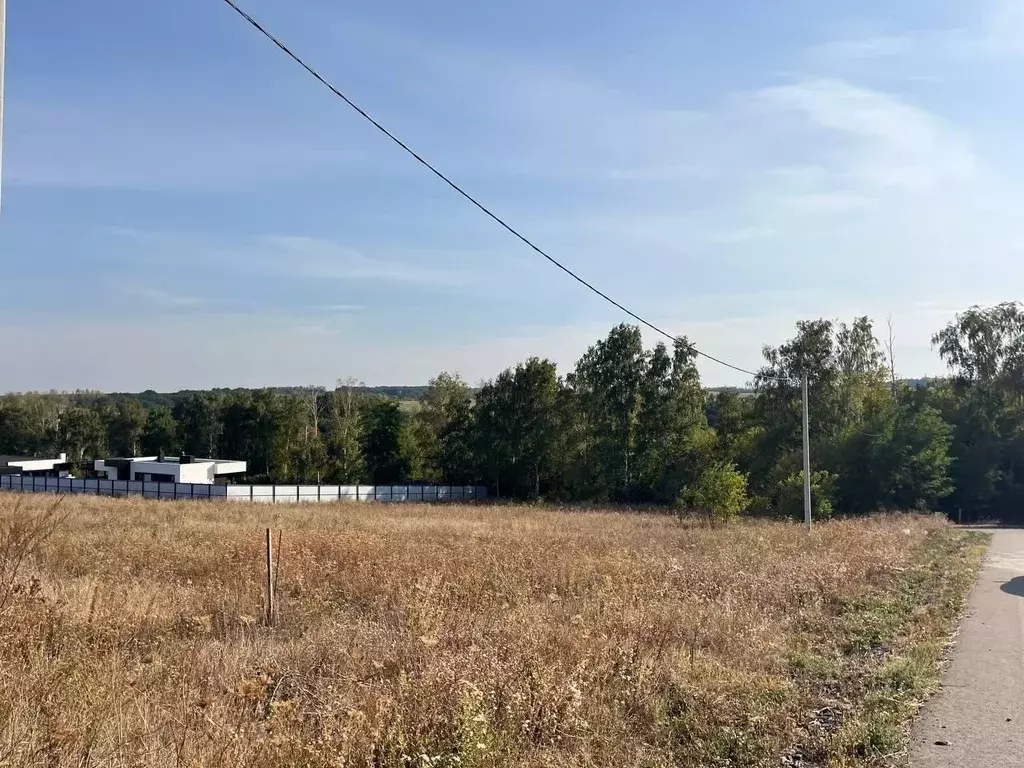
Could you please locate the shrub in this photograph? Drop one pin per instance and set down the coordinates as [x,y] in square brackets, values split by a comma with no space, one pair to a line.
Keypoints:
[791,495]
[720,492]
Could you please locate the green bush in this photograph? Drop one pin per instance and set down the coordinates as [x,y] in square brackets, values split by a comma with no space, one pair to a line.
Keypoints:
[720,492]
[791,495]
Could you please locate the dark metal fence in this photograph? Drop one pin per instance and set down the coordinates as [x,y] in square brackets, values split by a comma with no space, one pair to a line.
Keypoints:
[271,494]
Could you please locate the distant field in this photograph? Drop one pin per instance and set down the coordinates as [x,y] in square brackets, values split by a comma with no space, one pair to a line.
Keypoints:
[409,406]
[465,636]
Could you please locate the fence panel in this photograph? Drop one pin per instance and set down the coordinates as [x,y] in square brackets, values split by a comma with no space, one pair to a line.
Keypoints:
[286,494]
[309,493]
[263,493]
[329,493]
[281,494]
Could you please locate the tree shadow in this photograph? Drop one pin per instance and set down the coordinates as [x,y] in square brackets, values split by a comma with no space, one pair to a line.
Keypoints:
[1014,586]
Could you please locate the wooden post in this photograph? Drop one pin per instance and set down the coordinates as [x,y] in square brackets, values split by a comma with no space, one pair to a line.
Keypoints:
[277,567]
[270,579]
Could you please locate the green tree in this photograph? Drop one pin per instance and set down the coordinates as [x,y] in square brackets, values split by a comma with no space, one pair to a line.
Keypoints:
[16,436]
[198,419]
[343,434]
[444,430]
[921,458]
[847,381]
[238,429]
[29,422]
[985,346]
[984,349]
[606,386]
[311,459]
[385,442]
[281,433]
[496,432]
[516,428]
[738,433]
[160,435]
[81,433]
[126,422]
[899,459]
[673,441]
[573,475]
[654,427]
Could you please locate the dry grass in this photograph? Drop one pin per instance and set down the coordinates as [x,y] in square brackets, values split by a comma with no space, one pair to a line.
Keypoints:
[460,636]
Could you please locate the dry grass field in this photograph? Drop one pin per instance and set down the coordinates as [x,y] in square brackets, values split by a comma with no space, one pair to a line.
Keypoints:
[464,636]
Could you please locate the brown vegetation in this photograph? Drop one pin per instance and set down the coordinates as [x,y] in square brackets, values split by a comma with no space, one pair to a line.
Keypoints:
[459,636]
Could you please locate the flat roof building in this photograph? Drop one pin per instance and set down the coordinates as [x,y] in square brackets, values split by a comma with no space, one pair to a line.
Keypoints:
[170,469]
[30,467]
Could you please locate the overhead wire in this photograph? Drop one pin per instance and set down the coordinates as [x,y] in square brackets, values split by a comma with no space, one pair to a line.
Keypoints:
[474,201]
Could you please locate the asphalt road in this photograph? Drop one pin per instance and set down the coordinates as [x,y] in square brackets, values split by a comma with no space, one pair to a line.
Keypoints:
[977,719]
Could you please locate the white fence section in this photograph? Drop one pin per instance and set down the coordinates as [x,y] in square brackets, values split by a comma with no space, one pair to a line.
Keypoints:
[267,494]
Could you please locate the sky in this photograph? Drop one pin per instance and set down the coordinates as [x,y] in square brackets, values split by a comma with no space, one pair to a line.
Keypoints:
[184,207]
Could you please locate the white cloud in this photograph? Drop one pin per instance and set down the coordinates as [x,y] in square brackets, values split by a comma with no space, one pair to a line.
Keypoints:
[160,298]
[334,309]
[281,349]
[867,48]
[297,256]
[151,147]
[894,143]
[326,259]
[803,195]
[994,32]
[1004,28]
[740,235]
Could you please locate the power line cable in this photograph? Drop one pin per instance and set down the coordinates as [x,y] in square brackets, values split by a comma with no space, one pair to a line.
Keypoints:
[484,209]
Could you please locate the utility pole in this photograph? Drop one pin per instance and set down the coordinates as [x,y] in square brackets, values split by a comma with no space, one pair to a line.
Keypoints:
[807,462]
[3,45]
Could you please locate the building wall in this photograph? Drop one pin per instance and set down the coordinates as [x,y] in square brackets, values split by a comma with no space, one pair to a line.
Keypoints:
[182,473]
[36,465]
[196,472]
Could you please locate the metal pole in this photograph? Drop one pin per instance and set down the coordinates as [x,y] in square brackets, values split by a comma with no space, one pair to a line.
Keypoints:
[807,462]
[3,45]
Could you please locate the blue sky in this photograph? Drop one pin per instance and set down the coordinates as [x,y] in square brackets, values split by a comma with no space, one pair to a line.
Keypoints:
[184,207]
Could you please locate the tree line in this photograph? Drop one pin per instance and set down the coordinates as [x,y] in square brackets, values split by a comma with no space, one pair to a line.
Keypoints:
[628,424]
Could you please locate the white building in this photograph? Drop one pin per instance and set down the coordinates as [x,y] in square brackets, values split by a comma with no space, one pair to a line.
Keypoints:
[170,469]
[24,465]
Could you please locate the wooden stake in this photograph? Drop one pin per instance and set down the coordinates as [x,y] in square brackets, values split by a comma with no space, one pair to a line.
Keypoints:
[270,579]
[277,567]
